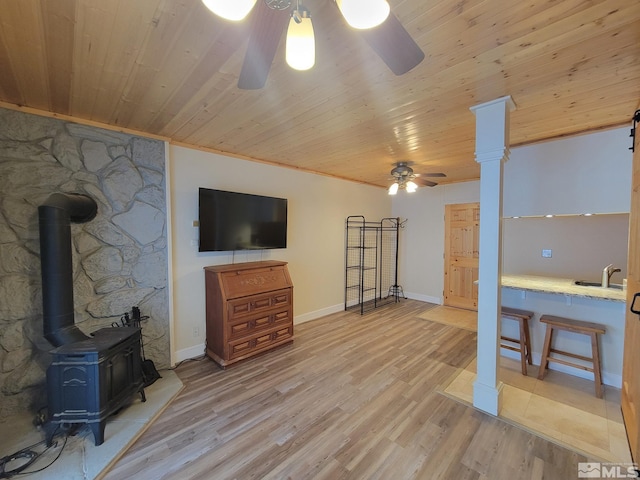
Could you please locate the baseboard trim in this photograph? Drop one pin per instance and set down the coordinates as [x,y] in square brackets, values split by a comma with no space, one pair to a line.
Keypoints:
[423,298]
[323,312]
[189,352]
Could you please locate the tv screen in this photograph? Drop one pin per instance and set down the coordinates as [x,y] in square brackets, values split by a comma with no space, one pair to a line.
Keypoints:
[240,221]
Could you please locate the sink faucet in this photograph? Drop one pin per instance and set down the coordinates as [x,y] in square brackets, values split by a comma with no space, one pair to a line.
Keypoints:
[606,274]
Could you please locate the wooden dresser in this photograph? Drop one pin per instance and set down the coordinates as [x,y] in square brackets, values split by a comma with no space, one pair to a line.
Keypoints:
[249,309]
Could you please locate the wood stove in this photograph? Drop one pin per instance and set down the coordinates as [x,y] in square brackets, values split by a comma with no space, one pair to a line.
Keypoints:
[90,377]
[90,380]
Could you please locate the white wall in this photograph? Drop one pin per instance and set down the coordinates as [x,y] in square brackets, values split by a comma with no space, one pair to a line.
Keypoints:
[582,174]
[421,264]
[317,209]
[580,246]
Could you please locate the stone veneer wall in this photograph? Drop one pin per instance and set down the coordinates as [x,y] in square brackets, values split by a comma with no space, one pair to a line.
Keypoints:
[120,257]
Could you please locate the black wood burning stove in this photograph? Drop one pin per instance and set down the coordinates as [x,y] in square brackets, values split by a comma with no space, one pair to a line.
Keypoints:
[89,378]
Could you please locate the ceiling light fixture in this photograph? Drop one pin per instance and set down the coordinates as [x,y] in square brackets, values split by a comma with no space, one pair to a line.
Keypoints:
[402,184]
[301,45]
[411,187]
[234,10]
[389,40]
[363,14]
[405,178]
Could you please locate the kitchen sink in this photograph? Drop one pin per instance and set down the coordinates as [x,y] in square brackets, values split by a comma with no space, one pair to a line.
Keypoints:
[583,283]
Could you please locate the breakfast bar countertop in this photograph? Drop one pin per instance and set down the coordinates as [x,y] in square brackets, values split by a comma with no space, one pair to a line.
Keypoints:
[564,286]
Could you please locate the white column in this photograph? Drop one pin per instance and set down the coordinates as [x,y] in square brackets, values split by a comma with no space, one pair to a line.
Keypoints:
[492,150]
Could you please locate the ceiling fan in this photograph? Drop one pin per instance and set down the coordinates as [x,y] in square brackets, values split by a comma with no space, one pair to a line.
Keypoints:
[405,178]
[381,29]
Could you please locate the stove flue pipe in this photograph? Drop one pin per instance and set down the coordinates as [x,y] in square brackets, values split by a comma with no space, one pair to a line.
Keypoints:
[55,217]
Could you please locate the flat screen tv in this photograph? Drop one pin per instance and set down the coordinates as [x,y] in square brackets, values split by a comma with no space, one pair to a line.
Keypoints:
[239,221]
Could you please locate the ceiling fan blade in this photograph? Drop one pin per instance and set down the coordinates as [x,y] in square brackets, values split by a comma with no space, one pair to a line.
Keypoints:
[394,45]
[425,183]
[437,174]
[267,26]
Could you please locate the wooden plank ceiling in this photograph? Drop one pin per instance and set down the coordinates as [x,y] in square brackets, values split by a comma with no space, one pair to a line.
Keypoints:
[170,68]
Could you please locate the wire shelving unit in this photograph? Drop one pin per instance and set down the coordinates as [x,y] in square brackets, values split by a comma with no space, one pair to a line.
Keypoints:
[371,263]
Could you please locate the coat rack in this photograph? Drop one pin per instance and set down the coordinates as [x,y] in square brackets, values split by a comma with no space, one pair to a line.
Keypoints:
[371,263]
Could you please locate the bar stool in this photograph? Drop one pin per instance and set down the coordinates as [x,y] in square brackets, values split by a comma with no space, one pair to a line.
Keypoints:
[522,344]
[576,326]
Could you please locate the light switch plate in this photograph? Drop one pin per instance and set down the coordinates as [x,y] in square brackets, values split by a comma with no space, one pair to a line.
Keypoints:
[546,252]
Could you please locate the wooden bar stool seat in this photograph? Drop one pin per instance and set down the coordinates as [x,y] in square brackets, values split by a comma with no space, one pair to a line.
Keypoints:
[522,344]
[575,326]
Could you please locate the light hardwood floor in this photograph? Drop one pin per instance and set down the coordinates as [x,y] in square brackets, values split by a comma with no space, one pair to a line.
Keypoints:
[354,397]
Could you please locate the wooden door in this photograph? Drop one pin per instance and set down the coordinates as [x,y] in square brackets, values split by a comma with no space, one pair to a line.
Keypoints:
[630,396]
[461,253]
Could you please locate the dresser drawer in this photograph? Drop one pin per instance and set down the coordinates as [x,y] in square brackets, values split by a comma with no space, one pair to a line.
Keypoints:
[242,328]
[258,303]
[282,333]
[263,340]
[283,316]
[246,346]
[253,324]
[236,349]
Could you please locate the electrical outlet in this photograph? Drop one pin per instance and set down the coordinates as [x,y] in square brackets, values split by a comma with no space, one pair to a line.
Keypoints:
[196,332]
[546,252]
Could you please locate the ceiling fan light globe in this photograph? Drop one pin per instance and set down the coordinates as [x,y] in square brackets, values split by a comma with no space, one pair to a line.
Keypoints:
[393,189]
[301,46]
[411,187]
[234,10]
[364,14]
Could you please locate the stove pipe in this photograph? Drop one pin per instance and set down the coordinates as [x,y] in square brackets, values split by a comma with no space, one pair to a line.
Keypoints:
[55,215]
